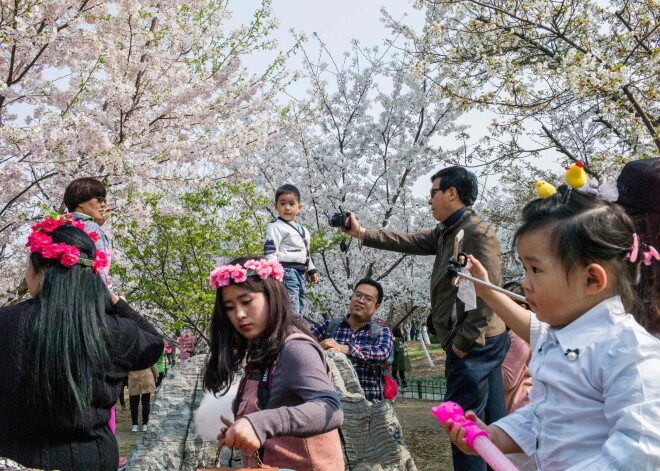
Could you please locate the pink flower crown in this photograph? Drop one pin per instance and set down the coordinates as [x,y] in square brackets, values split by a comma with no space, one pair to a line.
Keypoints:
[225,274]
[40,242]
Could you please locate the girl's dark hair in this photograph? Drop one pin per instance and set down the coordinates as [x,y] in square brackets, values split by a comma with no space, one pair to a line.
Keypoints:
[228,348]
[586,230]
[81,190]
[65,334]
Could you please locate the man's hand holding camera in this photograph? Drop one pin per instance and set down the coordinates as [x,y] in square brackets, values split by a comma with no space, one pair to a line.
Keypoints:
[352,227]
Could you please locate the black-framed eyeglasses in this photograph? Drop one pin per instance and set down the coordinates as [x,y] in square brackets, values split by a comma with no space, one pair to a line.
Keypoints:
[362,296]
[434,191]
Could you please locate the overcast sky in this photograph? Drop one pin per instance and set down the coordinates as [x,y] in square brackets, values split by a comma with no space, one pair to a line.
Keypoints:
[337,23]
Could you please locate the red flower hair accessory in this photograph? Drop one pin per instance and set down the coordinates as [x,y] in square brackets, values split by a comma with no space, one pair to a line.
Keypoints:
[225,274]
[39,241]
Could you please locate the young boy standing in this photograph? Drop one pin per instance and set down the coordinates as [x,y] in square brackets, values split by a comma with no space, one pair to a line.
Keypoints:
[287,241]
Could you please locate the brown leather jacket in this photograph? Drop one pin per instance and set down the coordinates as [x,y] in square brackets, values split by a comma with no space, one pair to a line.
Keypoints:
[479,240]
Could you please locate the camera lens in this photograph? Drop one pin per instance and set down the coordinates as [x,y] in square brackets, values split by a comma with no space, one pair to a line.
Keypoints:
[337,220]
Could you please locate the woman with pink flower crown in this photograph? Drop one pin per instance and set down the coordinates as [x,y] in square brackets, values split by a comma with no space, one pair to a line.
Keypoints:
[65,353]
[287,412]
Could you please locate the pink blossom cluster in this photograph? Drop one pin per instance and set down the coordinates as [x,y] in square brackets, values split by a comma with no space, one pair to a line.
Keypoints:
[223,275]
[39,241]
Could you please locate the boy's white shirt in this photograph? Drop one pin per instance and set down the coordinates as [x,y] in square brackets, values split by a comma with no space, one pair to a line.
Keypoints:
[599,411]
[288,244]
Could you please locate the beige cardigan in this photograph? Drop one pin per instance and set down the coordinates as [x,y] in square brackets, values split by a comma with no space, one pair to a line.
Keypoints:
[142,381]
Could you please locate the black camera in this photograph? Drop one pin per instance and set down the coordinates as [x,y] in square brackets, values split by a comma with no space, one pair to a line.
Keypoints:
[340,219]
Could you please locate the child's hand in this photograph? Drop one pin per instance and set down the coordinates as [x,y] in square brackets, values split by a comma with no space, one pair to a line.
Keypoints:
[477,270]
[457,433]
[313,279]
[239,435]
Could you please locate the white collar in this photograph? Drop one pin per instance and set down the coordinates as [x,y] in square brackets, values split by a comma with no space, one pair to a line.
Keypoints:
[592,325]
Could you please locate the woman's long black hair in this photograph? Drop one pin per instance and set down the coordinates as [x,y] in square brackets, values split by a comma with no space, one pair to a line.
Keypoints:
[228,348]
[65,335]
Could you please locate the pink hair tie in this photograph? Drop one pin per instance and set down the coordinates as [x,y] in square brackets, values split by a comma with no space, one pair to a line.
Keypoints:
[648,256]
[634,250]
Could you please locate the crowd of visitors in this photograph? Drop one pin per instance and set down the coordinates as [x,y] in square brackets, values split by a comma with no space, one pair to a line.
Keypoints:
[566,379]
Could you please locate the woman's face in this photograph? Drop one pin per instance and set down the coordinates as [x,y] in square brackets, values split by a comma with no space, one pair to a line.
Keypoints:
[96,208]
[247,311]
[33,279]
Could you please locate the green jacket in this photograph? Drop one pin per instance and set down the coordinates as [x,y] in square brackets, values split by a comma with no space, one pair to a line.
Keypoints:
[479,240]
[161,364]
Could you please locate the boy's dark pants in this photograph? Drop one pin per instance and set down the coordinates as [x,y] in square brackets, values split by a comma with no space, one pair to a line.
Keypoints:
[475,383]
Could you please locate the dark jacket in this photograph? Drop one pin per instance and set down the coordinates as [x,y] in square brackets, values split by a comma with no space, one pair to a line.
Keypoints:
[28,437]
[479,240]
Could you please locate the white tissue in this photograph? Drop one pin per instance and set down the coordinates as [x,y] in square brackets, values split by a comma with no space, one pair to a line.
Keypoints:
[466,291]
[207,415]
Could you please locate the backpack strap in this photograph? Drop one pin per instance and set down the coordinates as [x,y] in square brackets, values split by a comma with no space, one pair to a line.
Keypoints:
[332,327]
[374,331]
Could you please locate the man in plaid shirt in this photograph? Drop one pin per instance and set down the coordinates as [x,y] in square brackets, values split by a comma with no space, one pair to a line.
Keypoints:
[353,337]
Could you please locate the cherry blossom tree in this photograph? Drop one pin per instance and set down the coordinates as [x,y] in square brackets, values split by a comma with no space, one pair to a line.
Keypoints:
[143,95]
[369,131]
[164,264]
[578,77]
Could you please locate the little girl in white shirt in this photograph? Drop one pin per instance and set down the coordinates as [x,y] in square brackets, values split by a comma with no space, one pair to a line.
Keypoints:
[596,387]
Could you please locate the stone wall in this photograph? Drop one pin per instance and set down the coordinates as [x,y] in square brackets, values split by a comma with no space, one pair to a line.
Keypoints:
[371,432]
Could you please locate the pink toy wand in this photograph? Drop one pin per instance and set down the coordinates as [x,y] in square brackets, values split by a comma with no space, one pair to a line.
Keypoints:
[477,439]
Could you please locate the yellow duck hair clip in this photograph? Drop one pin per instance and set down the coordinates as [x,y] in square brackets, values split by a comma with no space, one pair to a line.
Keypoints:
[544,189]
[575,175]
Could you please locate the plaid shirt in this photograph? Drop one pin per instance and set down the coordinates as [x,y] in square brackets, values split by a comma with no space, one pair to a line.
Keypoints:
[367,357]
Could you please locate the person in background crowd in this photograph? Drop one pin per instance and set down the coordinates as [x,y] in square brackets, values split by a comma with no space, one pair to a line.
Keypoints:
[639,194]
[141,384]
[55,413]
[401,362]
[365,341]
[475,340]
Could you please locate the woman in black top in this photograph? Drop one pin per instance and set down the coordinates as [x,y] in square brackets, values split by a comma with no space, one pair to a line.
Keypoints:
[64,355]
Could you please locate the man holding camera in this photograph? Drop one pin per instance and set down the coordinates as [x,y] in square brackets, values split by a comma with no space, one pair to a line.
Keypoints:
[475,341]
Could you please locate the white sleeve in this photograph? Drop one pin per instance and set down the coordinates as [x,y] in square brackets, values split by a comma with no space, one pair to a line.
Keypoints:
[631,391]
[519,427]
[273,241]
[536,329]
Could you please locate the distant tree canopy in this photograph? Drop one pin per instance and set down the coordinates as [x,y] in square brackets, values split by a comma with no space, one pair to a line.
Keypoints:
[166,257]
